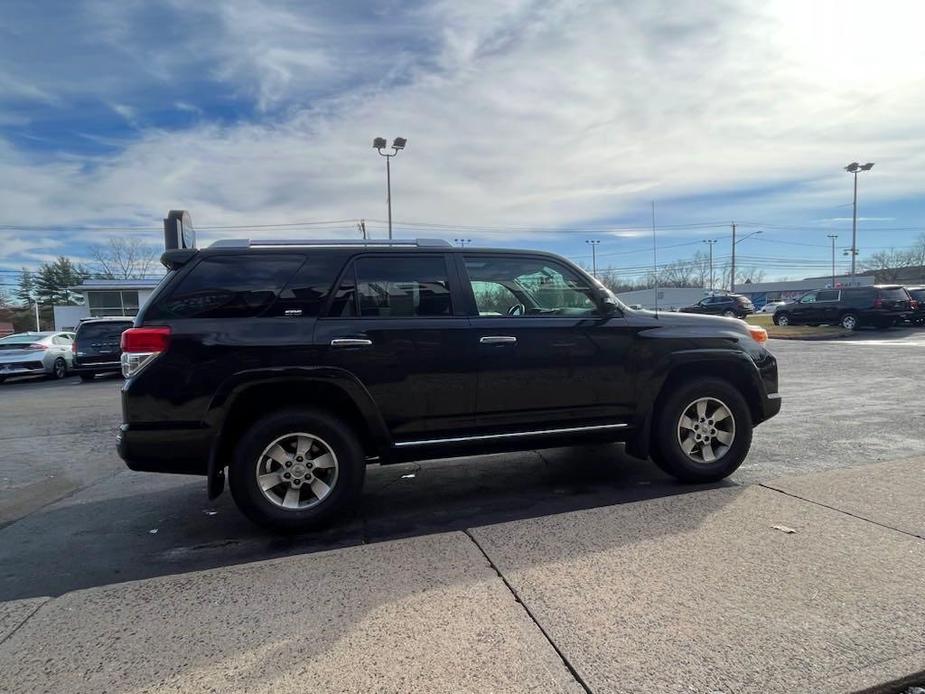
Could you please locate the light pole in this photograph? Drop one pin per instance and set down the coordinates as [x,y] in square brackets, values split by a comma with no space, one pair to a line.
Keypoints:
[397,145]
[594,244]
[711,242]
[732,279]
[833,237]
[462,243]
[855,168]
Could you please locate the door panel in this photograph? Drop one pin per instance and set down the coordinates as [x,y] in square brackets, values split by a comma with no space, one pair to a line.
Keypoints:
[545,355]
[396,331]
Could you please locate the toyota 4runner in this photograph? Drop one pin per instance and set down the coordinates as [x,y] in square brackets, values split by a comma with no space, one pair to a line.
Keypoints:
[292,365]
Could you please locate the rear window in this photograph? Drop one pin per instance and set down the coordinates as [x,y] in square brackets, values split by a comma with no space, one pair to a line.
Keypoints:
[98,331]
[227,286]
[898,294]
[23,339]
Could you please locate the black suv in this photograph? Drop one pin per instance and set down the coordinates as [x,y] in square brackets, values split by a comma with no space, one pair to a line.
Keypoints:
[917,317]
[729,305]
[96,346]
[296,364]
[879,305]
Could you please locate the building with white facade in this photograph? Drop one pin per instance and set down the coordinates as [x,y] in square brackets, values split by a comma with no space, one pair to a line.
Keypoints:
[104,298]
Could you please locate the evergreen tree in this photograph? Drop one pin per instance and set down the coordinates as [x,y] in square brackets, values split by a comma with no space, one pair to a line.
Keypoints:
[25,290]
[53,279]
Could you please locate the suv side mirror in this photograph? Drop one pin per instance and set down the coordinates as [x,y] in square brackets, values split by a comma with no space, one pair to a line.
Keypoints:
[606,302]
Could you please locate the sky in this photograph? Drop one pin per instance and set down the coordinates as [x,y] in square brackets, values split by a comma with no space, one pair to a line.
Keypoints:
[530,124]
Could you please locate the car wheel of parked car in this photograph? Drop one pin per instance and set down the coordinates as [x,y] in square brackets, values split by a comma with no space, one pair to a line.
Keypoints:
[59,370]
[729,314]
[849,321]
[296,469]
[781,318]
[703,431]
[87,377]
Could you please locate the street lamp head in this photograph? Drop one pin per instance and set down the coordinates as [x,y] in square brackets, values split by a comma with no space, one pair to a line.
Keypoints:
[868,166]
[399,143]
[852,167]
[379,143]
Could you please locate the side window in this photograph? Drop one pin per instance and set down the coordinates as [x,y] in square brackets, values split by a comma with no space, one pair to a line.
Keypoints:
[228,286]
[527,286]
[808,298]
[61,340]
[308,289]
[400,287]
[827,295]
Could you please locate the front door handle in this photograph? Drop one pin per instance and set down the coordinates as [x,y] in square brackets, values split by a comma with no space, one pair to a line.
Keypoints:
[498,340]
[350,342]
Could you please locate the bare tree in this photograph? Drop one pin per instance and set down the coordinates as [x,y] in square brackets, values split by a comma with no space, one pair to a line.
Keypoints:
[888,265]
[123,258]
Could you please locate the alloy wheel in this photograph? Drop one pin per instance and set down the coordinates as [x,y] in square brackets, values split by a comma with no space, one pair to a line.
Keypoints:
[706,430]
[297,471]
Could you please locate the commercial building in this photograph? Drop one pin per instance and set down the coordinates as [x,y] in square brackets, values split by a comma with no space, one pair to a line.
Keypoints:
[104,298]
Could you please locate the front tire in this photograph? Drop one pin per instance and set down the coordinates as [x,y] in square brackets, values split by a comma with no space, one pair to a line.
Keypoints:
[296,470]
[782,319]
[730,314]
[58,369]
[702,430]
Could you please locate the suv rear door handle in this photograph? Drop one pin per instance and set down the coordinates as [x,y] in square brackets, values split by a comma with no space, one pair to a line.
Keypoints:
[350,342]
[498,340]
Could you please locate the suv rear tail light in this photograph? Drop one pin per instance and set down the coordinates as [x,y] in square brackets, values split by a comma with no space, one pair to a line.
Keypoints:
[140,346]
[74,346]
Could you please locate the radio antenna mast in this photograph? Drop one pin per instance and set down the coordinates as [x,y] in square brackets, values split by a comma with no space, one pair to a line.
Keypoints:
[654,259]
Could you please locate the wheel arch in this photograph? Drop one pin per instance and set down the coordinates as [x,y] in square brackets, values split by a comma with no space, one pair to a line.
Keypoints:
[244,398]
[734,367]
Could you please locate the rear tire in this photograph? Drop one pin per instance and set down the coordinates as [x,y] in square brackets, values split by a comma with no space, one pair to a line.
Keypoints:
[281,434]
[86,378]
[849,321]
[726,439]
[730,314]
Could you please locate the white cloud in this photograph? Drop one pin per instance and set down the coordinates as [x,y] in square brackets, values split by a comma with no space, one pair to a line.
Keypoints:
[521,113]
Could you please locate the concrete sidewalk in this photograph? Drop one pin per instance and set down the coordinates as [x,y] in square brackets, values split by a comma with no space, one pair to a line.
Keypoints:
[692,593]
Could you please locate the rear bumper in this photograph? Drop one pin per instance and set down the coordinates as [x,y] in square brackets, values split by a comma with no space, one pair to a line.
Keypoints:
[97,368]
[22,368]
[178,451]
[771,405]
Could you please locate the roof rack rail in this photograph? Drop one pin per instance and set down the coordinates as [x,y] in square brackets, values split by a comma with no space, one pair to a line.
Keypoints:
[289,243]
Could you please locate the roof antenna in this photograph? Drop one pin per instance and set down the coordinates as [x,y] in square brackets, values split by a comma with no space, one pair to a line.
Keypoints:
[654,259]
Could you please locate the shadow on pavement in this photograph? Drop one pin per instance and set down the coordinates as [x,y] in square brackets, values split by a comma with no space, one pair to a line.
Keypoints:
[127,528]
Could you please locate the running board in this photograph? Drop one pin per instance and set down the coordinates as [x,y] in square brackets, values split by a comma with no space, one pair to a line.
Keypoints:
[512,435]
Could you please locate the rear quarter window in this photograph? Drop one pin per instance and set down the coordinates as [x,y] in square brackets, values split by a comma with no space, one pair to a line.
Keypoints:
[227,286]
[898,294]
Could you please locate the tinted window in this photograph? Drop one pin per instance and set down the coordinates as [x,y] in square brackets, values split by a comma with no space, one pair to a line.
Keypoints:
[402,287]
[310,286]
[229,286]
[898,294]
[102,331]
[827,295]
[540,286]
[808,298]
[918,294]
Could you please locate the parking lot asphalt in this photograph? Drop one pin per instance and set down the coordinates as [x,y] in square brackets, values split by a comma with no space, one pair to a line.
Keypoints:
[71,515]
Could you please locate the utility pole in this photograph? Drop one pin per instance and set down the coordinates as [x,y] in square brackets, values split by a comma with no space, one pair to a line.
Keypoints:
[38,328]
[732,277]
[833,237]
[711,242]
[593,243]
[855,168]
[361,226]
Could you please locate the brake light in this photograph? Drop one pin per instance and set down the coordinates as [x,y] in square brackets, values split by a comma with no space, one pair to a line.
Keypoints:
[38,345]
[759,334]
[913,303]
[140,346]
[74,346]
[145,339]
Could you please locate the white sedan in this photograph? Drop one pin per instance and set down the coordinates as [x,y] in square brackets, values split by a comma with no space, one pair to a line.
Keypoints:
[771,306]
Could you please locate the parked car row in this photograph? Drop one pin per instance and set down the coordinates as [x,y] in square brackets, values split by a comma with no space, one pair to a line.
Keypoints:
[93,349]
[879,306]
